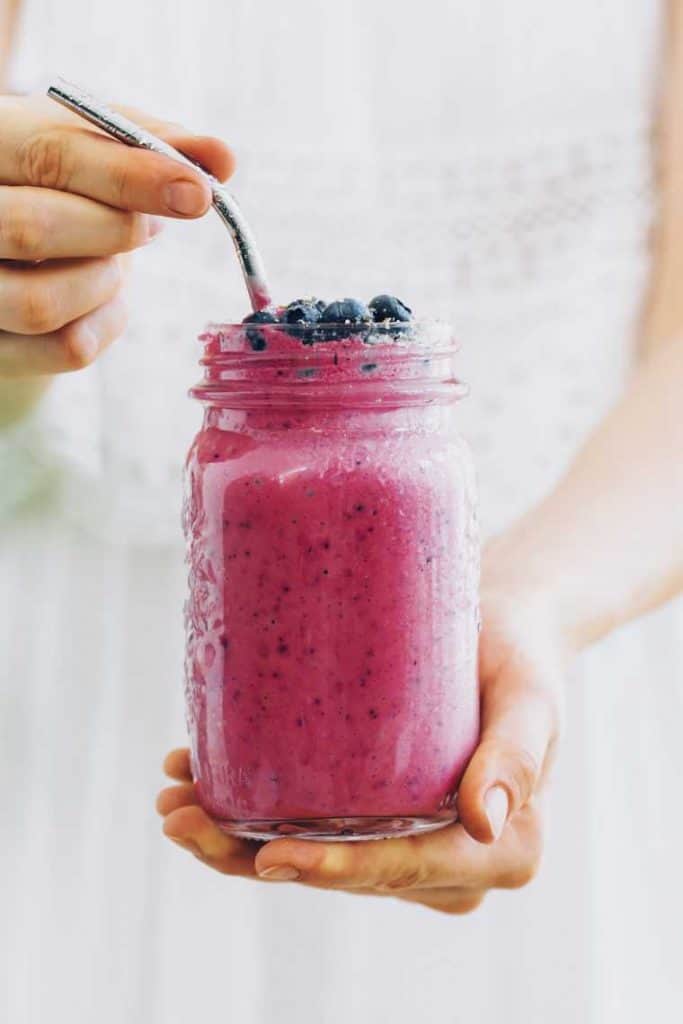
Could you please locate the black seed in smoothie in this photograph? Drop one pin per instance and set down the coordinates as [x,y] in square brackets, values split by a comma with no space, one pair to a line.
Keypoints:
[373,713]
[282,649]
[307,373]
[300,723]
[368,367]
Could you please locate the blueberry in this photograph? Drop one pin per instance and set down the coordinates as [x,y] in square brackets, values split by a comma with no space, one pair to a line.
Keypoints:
[300,316]
[346,311]
[302,311]
[349,312]
[254,336]
[388,307]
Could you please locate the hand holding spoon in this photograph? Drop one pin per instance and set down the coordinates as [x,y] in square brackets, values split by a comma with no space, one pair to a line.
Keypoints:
[131,134]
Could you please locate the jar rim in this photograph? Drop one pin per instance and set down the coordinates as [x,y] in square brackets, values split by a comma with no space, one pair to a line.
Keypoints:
[419,333]
[244,362]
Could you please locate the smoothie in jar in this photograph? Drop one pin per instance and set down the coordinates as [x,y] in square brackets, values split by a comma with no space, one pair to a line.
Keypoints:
[332,622]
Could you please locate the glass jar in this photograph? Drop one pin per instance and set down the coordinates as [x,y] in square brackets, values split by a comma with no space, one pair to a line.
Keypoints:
[332,619]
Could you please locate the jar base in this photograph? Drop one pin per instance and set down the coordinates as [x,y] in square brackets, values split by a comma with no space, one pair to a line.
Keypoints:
[336,829]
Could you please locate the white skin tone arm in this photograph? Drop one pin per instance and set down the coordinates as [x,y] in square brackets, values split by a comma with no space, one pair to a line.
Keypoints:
[9,10]
[607,544]
[18,396]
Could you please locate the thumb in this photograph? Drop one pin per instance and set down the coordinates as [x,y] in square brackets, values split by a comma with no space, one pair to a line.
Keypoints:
[519,729]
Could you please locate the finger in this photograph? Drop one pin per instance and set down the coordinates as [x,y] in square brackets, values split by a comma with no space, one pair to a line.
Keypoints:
[41,224]
[449,858]
[177,765]
[57,152]
[174,797]
[212,153]
[519,728]
[192,828]
[444,858]
[42,299]
[73,347]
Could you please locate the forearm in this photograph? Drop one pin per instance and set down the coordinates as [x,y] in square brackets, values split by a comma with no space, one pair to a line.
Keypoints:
[9,13]
[607,544]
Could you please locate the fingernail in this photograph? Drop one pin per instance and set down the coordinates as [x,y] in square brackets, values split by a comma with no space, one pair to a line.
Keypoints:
[496,804]
[280,873]
[88,343]
[154,226]
[185,197]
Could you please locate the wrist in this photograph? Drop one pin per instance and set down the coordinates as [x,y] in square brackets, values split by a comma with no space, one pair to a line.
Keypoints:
[524,585]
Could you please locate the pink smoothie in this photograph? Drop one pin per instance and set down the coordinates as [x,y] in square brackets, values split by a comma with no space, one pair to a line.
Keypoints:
[332,622]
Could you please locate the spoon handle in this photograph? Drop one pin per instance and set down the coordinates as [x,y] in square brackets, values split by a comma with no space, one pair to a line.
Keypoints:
[131,134]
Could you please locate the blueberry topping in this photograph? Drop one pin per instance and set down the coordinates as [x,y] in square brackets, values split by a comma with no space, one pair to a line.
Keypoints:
[254,336]
[388,307]
[302,312]
[350,313]
[346,311]
[308,320]
[264,316]
[301,316]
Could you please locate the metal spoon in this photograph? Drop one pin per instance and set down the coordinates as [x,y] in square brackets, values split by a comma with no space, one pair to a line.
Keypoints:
[132,134]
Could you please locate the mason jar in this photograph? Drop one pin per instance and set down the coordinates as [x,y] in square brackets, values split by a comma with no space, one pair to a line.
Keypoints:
[332,617]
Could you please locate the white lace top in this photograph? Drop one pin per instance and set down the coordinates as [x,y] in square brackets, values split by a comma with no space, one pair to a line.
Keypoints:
[426,151]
